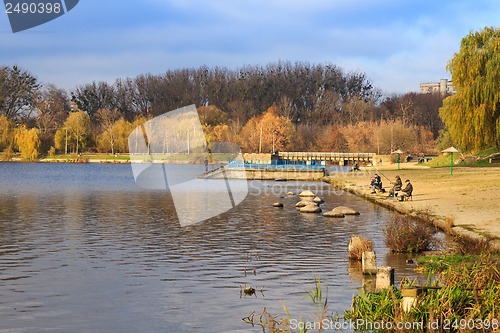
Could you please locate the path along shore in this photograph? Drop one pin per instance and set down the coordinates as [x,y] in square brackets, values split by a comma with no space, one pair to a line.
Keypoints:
[467,202]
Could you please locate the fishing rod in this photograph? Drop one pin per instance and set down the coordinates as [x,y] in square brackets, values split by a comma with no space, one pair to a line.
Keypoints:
[384,175]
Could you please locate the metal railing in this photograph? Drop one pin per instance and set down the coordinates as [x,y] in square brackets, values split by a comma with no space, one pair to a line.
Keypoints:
[274,165]
[324,156]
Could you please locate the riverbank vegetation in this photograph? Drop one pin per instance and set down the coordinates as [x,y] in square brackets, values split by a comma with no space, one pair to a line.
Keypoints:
[462,295]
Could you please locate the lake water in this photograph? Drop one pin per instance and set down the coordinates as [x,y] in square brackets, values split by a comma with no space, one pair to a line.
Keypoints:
[83,249]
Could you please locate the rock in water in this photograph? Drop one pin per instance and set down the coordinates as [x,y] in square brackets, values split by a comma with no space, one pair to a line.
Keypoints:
[304,203]
[318,200]
[311,208]
[345,210]
[306,193]
[278,204]
[332,214]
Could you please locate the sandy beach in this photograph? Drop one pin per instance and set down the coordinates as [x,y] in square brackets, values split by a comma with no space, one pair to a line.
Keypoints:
[470,198]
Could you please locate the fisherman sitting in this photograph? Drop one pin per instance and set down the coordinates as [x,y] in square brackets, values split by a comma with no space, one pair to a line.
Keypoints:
[406,192]
[376,184]
[397,186]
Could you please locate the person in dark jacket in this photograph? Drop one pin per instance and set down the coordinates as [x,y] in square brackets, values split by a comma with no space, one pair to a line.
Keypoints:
[397,186]
[407,191]
[376,184]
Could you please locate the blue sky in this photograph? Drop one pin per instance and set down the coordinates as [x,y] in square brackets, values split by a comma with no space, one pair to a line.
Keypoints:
[397,43]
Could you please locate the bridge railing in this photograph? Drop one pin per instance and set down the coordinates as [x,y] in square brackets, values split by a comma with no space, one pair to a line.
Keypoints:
[324,156]
[273,165]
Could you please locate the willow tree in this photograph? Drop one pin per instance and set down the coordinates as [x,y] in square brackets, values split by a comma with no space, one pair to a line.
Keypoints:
[472,115]
[28,142]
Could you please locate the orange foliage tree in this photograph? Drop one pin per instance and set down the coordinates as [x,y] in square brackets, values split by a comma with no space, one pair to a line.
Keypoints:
[267,133]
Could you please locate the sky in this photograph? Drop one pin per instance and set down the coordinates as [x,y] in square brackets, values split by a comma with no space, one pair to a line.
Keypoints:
[398,44]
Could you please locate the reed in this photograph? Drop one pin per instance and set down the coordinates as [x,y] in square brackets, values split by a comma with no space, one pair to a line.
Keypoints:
[270,323]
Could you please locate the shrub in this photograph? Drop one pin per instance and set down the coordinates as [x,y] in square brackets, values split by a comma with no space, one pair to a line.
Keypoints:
[404,234]
[468,245]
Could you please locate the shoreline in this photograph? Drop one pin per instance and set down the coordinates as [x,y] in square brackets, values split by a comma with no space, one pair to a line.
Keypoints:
[462,204]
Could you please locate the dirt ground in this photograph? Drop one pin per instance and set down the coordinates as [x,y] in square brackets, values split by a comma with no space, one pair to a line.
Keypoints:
[470,197]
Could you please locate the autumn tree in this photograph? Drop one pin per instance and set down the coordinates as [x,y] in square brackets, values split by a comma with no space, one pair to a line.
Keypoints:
[6,132]
[115,138]
[472,115]
[267,133]
[107,119]
[27,142]
[331,139]
[74,133]
[359,137]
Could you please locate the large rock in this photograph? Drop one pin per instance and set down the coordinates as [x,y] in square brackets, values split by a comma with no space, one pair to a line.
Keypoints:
[304,203]
[332,214]
[306,193]
[345,210]
[311,208]
[318,200]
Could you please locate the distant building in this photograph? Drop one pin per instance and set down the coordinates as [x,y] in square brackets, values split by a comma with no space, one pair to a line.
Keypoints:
[444,86]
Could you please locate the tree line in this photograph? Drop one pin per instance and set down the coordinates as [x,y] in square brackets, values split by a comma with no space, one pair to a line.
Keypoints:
[296,106]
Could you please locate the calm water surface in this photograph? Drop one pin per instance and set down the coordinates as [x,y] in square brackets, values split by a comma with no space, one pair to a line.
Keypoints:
[83,249]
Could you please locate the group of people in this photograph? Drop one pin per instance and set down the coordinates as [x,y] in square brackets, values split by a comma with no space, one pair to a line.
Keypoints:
[396,190]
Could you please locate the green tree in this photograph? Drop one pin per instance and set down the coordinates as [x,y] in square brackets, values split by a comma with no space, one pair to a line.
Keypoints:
[28,142]
[74,133]
[472,115]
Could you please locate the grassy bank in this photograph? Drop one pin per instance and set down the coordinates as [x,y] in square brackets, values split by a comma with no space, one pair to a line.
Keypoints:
[465,203]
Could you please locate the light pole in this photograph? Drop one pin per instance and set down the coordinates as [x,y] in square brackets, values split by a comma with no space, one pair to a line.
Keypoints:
[399,152]
[451,150]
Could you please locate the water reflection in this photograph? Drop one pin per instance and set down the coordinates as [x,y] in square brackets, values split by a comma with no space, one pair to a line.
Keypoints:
[88,251]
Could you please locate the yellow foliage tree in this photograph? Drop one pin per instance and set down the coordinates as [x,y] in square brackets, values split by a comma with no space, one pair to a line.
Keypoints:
[472,115]
[267,133]
[6,131]
[115,138]
[74,132]
[28,142]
